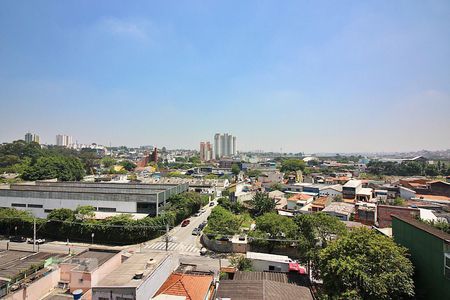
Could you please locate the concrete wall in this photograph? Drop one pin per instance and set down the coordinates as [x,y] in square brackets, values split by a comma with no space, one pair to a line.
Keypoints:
[37,289]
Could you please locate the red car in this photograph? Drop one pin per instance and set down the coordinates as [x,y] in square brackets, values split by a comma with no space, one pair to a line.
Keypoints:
[185,223]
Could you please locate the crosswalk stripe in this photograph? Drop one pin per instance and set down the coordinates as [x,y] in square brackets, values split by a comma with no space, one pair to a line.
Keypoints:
[172,247]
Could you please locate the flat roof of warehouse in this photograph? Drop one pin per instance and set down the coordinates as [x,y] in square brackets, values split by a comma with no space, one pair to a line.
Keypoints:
[13,262]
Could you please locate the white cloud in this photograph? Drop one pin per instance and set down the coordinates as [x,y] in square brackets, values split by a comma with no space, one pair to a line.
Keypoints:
[135,29]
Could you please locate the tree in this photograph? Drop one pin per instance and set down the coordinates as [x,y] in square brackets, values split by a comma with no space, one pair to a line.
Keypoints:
[262,203]
[277,186]
[62,168]
[241,263]
[84,212]
[222,221]
[235,169]
[315,231]
[365,265]
[254,173]
[108,162]
[61,214]
[292,164]
[272,228]
[128,165]
[431,170]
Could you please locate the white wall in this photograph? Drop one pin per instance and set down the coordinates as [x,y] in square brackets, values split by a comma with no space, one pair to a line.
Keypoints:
[406,194]
[121,206]
[330,192]
[263,265]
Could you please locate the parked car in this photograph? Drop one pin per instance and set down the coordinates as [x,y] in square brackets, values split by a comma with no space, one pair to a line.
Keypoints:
[203,251]
[202,225]
[196,231]
[197,214]
[17,239]
[185,223]
[242,237]
[212,203]
[38,241]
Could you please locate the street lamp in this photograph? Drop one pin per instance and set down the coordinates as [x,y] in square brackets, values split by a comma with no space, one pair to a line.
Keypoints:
[92,236]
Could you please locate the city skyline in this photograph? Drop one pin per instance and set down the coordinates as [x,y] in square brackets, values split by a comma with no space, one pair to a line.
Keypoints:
[317,77]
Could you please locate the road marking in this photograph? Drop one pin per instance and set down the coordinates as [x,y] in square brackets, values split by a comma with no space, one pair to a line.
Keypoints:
[172,247]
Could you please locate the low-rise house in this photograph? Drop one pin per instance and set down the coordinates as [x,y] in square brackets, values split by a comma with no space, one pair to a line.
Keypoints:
[364,194]
[87,268]
[320,203]
[264,262]
[279,198]
[331,190]
[341,210]
[365,213]
[351,188]
[297,201]
[262,285]
[430,254]
[189,286]
[385,212]
[381,195]
[138,278]
[406,193]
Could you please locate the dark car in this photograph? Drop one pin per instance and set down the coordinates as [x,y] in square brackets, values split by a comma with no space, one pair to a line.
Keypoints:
[185,223]
[202,224]
[212,203]
[17,239]
[196,231]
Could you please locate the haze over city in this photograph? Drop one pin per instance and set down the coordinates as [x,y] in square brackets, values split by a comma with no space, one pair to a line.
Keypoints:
[321,76]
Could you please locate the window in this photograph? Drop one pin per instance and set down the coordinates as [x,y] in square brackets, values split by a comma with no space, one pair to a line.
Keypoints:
[35,205]
[107,209]
[447,265]
[48,210]
[271,268]
[103,298]
[18,205]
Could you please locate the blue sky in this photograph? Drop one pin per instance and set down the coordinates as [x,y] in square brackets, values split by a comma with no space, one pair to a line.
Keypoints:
[313,76]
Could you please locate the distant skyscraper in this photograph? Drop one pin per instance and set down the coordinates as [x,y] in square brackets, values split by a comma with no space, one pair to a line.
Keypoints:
[224,145]
[64,140]
[206,151]
[29,137]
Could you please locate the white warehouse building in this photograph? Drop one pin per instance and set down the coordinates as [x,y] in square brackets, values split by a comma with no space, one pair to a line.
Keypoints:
[40,198]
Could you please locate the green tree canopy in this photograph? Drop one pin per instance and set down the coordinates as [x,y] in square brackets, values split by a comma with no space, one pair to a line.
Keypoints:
[271,228]
[261,203]
[61,214]
[365,265]
[292,164]
[62,168]
[254,173]
[108,162]
[235,169]
[222,221]
[128,165]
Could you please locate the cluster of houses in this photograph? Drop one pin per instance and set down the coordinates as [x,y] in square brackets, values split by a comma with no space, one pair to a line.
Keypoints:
[101,274]
[368,202]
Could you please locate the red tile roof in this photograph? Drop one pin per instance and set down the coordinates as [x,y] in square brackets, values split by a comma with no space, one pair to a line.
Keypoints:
[299,196]
[191,286]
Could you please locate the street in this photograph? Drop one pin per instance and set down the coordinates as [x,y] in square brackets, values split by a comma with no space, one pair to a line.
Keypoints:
[181,239]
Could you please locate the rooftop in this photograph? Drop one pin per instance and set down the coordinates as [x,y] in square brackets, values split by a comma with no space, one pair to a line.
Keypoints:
[191,286]
[145,262]
[261,289]
[353,183]
[268,257]
[91,259]
[365,191]
[340,207]
[13,262]
[300,197]
[425,227]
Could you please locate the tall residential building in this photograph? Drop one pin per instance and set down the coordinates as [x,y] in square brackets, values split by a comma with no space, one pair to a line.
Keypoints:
[64,140]
[206,151]
[224,145]
[29,137]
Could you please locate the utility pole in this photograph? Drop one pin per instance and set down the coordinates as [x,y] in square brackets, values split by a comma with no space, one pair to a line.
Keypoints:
[34,233]
[167,236]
